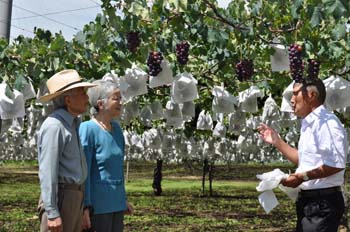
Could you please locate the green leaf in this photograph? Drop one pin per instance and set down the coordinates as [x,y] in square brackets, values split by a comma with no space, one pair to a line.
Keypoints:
[183,5]
[118,55]
[335,51]
[335,7]
[58,43]
[339,32]
[6,78]
[179,5]
[347,60]
[138,9]
[80,37]
[316,16]
[295,7]
[212,36]
[256,8]
[8,92]
[20,82]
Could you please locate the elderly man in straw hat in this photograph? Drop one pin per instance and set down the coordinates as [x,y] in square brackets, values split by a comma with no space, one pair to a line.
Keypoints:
[62,164]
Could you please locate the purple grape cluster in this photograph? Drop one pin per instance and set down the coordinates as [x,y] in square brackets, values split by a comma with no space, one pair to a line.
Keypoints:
[296,62]
[313,68]
[244,70]
[154,60]
[133,38]
[182,51]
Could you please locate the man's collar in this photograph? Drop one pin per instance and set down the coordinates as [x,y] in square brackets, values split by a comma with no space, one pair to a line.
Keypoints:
[66,116]
[315,114]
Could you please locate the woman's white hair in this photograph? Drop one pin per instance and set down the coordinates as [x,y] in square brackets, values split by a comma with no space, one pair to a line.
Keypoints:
[100,92]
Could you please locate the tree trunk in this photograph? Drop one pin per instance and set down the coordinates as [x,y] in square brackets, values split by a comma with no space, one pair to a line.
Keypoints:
[211,175]
[157,178]
[205,170]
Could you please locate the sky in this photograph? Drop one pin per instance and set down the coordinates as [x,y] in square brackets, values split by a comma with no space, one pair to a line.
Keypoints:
[67,16]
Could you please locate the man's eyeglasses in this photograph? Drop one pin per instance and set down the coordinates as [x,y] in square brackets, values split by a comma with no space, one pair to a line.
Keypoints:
[295,93]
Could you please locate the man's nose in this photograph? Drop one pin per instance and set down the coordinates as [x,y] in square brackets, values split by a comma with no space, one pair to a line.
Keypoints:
[292,100]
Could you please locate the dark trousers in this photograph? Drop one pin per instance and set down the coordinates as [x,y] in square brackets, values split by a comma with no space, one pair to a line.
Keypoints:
[320,213]
[109,222]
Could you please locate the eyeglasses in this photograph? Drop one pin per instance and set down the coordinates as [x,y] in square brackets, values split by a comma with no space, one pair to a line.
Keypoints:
[295,93]
[117,98]
[111,98]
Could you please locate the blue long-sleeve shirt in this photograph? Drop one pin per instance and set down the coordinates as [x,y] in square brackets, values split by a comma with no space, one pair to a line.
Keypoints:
[104,150]
[61,157]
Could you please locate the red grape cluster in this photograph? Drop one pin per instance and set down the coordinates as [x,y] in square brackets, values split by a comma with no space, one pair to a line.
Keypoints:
[154,60]
[133,38]
[313,68]
[182,50]
[244,70]
[296,62]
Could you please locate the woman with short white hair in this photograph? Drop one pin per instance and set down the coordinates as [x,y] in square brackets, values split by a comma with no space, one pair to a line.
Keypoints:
[103,143]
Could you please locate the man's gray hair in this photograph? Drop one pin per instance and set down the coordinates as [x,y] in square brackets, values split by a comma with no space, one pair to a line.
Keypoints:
[59,102]
[100,92]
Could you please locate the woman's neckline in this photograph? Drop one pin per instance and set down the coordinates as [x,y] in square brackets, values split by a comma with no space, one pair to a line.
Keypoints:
[103,125]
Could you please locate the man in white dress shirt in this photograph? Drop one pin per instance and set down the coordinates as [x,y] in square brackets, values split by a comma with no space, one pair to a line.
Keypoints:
[321,159]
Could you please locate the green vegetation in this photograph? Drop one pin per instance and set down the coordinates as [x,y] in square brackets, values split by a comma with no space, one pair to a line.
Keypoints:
[182,207]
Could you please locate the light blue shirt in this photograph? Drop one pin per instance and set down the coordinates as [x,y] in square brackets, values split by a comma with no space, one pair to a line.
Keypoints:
[104,150]
[61,157]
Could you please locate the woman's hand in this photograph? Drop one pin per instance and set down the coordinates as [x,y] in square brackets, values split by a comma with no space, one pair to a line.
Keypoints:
[129,209]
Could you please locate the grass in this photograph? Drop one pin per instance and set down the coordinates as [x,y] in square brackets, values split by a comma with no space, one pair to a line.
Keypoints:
[234,205]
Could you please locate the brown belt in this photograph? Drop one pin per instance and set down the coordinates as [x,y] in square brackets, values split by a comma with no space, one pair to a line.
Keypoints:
[319,192]
[71,186]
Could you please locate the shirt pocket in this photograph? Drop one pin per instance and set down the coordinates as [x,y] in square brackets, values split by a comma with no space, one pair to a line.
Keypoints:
[111,182]
[311,154]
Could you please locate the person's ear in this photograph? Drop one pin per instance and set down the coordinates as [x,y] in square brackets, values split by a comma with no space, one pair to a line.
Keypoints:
[313,96]
[67,100]
[100,104]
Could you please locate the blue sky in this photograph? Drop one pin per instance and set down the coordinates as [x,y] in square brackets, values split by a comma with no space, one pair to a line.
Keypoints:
[68,16]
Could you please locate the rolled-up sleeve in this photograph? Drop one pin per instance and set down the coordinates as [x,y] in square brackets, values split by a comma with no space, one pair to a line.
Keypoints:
[50,145]
[334,142]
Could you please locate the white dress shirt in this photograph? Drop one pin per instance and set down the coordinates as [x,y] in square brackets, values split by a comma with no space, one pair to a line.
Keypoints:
[323,141]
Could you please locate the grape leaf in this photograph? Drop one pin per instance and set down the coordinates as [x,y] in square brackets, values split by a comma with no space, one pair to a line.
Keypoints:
[316,16]
[339,31]
[20,82]
[336,8]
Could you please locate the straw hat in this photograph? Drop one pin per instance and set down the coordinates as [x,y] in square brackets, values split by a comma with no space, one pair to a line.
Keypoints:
[62,82]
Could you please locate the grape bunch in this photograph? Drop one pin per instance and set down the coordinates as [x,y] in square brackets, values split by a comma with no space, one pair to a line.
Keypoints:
[154,60]
[133,38]
[313,68]
[244,70]
[296,62]
[182,50]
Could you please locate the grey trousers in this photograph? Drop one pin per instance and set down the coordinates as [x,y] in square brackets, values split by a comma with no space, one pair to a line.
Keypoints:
[71,211]
[109,222]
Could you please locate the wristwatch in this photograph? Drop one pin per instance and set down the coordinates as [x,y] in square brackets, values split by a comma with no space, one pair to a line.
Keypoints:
[305,176]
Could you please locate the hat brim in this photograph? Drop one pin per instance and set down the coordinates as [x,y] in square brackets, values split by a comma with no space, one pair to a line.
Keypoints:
[51,96]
